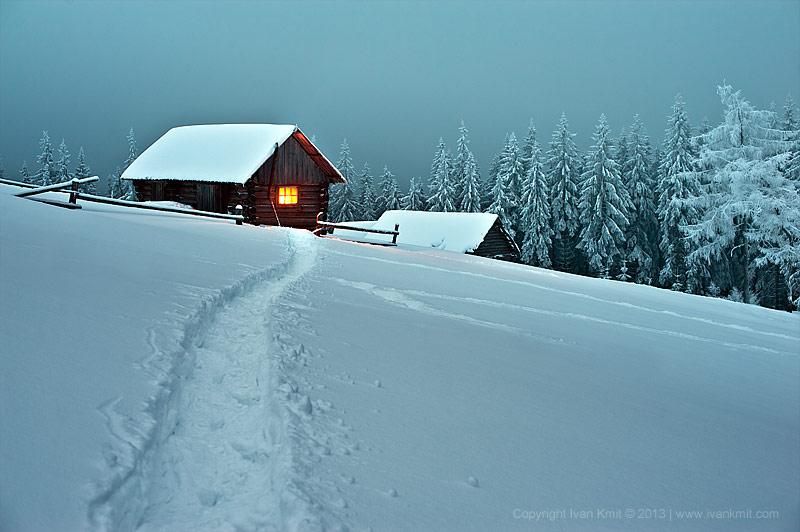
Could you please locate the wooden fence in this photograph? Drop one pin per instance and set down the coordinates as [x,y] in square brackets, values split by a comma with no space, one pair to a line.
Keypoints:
[324,228]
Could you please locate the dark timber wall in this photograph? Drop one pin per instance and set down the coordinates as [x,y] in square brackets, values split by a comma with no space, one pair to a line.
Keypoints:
[497,245]
[290,165]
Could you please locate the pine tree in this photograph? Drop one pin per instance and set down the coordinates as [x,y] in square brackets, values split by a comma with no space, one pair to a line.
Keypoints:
[463,156]
[678,182]
[604,206]
[46,174]
[749,207]
[488,184]
[389,197]
[562,176]
[415,199]
[24,174]
[642,233]
[526,151]
[82,171]
[132,152]
[505,191]
[536,209]
[62,164]
[471,195]
[790,119]
[442,189]
[344,192]
[116,187]
[366,195]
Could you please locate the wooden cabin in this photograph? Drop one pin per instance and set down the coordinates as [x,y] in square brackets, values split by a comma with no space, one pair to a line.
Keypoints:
[273,171]
[473,233]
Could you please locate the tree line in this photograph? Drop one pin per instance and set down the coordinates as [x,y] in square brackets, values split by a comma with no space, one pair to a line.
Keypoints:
[54,166]
[711,211]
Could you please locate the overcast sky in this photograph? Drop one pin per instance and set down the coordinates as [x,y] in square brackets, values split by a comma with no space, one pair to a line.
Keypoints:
[392,77]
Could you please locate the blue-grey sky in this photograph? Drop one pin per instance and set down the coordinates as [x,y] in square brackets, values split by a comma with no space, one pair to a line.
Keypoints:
[392,77]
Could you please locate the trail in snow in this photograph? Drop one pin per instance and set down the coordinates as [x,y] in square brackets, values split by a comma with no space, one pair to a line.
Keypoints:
[571,293]
[228,462]
[220,456]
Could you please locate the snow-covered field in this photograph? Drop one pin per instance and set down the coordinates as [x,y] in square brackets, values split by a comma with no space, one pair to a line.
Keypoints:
[161,372]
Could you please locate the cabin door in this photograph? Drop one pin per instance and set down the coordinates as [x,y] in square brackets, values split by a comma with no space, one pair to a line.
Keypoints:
[209,197]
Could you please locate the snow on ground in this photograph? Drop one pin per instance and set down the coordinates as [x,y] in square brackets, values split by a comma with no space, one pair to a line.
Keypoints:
[161,372]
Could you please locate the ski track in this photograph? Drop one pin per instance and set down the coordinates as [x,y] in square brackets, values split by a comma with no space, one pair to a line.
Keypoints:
[219,450]
[733,326]
[404,298]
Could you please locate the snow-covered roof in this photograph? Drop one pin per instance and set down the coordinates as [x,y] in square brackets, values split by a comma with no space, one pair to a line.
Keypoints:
[460,232]
[221,153]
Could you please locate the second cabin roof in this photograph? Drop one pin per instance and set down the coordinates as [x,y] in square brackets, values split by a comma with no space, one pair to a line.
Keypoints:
[220,153]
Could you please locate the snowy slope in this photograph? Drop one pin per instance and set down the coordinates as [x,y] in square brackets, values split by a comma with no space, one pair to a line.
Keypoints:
[196,375]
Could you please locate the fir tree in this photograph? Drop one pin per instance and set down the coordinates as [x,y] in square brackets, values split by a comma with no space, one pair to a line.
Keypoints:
[366,195]
[471,195]
[749,207]
[415,199]
[62,164]
[488,184]
[460,164]
[526,151]
[82,171]
[678,182]
[790,120]
[562,176]
[46,174]
[116,187]
[24,174]
[536,210]
[344,192]
[441,186]
[505,197]
[604,206]
[132,152]
[389,197]
[642,233]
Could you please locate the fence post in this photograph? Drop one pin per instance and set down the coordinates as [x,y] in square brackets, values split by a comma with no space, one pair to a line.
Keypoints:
[73,197]
[238,210]
[396,232]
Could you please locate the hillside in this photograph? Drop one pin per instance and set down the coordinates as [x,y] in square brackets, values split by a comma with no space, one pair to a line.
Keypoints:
[160,372]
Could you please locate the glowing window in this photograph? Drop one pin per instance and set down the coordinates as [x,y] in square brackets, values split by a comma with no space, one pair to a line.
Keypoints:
[287,195]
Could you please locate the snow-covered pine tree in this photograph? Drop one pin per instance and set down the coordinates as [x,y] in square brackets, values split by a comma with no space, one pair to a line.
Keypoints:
[562,177]
[116,187]
[82,170]
[132,151]
[790,118]
[62,163]
[678,183]
[46,174]
[604,207]
[389,197]
[642,234]
[460,163]
[442,190]
[366,195]
[536,223]
[488,185]
[342,193]
[507,188]
[750,207]
[415,199]
[526,151]
[471,194]
[24,173]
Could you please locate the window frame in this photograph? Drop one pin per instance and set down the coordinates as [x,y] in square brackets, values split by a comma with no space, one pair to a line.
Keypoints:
[287,193]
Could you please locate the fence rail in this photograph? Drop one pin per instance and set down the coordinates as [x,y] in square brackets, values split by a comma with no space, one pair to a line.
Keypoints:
[324,227]
[75,194]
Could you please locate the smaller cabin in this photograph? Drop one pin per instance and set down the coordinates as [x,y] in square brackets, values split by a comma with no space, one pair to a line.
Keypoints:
[473,233]
[274,172]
